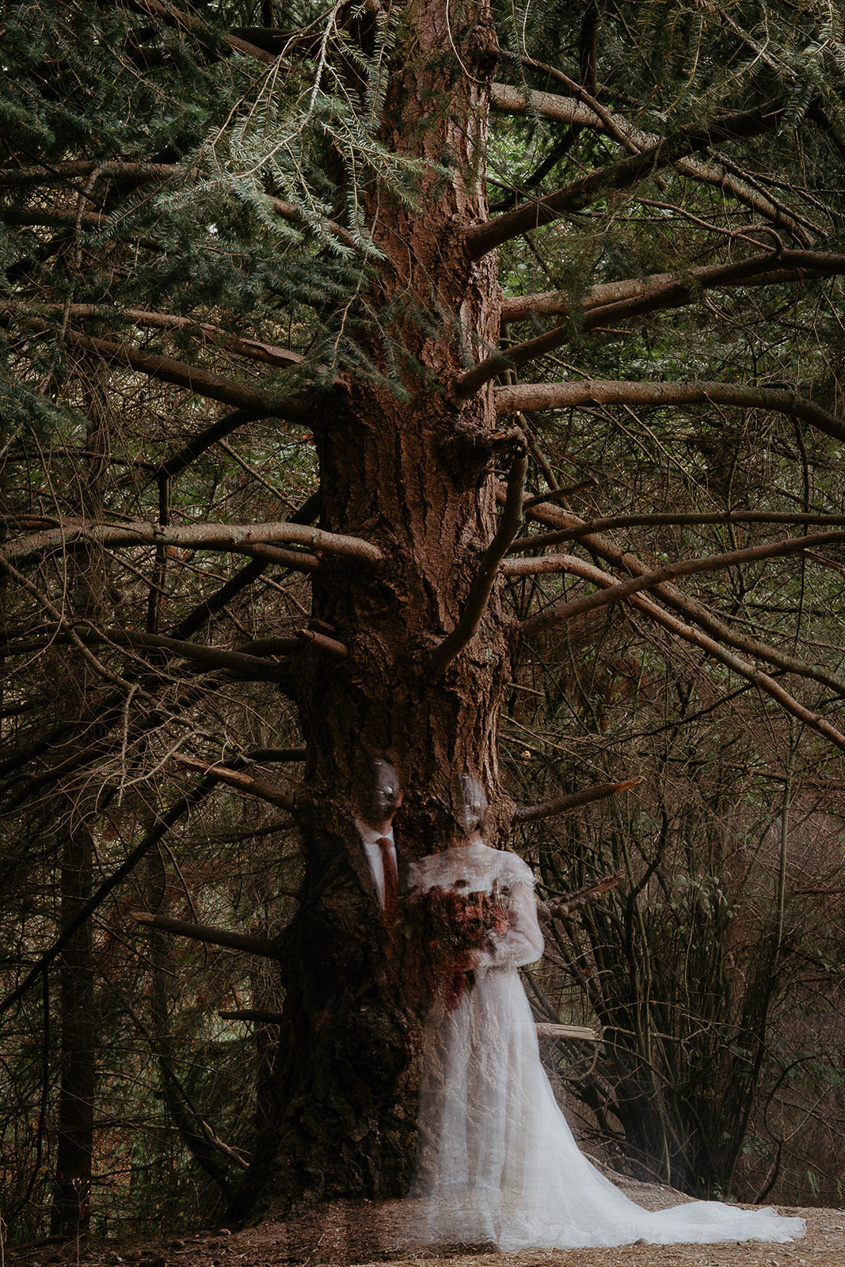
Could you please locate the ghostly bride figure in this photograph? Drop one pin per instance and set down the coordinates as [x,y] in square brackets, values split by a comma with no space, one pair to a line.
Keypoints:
[496,1160]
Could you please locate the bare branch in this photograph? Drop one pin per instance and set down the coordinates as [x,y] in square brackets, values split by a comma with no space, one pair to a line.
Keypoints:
[61,217]
[762,680]
[240,538]
[271,646]
[634,296]
[215,336]
[564,906]
[559,109]
[295,560]
[61,622]
[198,444]
[156,833]
[205,933]
[199,381]
[603,548]
[259,788]
[166,369]
[482,586]
[80,168]
[188,22]
[668,518]
[572,800]
[565,610]
[536,396]
[545,105]
[243,664]
[621,175]
[263,756]
[330,646]
[718,651]
[216,602]
[260,1015]
[572,1033]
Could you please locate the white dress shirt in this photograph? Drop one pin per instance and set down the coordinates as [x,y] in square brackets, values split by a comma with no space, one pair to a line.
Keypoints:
[372,850]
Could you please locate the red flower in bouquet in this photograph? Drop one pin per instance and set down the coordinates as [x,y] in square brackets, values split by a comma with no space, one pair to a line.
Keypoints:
[455,926]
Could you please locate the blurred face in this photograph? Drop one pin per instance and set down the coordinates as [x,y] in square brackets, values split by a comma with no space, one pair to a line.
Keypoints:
[384,796]
[470,806]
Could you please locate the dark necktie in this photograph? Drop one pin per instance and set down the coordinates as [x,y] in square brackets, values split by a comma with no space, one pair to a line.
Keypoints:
[391,882]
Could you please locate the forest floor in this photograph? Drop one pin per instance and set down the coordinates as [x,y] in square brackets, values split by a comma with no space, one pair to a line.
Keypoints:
[360,1232]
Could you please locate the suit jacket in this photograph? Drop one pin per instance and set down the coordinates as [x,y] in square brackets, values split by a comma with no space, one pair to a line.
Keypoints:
[361,866]
[341,964]
[338,943]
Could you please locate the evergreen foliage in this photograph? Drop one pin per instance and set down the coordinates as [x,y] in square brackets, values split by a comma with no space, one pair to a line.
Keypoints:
[201,221]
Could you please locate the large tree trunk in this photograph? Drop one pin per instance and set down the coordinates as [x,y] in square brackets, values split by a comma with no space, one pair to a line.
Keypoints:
[413,475]
[74,1146]
[88,581]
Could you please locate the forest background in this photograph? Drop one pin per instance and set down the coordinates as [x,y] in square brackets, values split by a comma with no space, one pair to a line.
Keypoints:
[381,268]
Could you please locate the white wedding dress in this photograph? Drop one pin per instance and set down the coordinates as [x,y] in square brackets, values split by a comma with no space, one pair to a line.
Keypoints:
[497,1162]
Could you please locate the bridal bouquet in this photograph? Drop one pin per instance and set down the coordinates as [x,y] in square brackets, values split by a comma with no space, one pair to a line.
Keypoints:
[454,924]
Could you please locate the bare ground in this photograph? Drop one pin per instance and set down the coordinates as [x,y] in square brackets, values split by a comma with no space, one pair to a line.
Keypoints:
[355,1232]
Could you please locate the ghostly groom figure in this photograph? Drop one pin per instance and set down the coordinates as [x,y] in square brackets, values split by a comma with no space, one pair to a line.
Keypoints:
[347,1050]
[378,802]
[349,940]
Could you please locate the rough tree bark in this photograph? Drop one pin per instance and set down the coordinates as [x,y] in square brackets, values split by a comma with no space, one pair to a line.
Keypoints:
[70,1213]
[75,1131]
[412,474]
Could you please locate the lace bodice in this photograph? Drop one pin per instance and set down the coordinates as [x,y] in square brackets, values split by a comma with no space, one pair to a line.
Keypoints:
[475,868]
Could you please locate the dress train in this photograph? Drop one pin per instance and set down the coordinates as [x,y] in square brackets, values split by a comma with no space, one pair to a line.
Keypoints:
[497,1162]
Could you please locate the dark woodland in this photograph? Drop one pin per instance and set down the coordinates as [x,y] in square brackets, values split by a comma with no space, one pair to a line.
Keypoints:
[449,382]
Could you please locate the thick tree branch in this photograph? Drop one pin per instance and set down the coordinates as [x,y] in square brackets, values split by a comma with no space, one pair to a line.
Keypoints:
[621,175]
[196,380]
[571,902]
[482,586]
[669,519]
[260,1015]
[212,936]
[244,664]
[216,602]
[603,548]
[717,650]
[263,756]
[294,560]
[63,172]
[188,22]
[331,647]
[259,788]
[256,402]
[509,99]
[537,396]
[520,354]
[565,610]
[557,109]
[239,538]
[60,218]
[635,296]
[240,663]
[214,336]
[571,1033]
[572,800]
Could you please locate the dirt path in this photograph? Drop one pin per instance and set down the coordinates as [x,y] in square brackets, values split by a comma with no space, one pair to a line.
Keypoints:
[347,1233]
